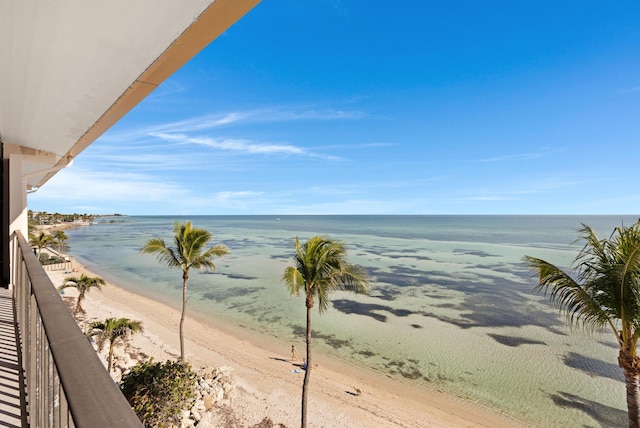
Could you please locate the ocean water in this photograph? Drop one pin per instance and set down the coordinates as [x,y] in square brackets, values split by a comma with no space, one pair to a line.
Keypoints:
[451,306]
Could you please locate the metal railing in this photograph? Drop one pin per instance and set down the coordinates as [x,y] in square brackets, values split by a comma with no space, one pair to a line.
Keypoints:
[66,384]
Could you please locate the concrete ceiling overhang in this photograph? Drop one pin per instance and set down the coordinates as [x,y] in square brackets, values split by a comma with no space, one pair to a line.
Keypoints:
[72,68]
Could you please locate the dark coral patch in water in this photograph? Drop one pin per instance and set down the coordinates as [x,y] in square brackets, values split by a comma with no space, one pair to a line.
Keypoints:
[329,339]
[606,416]
[368,309]
[388,293]
[594,367]
[473,253]
[514,342]
[222,295]
[236,276]
[409,371]
[400,276]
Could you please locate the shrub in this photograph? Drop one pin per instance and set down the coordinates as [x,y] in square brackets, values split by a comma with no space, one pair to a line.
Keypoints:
[158,392]
[53,260]
[46,259]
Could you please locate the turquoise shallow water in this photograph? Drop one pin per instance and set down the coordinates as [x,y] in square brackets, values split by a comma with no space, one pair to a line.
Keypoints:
[452,304]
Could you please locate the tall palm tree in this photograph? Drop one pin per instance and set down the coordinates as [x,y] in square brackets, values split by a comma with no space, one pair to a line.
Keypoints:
[40,240]
[83,284]
[603,294]
[320,267]
[113,330]
[60,236]
[189,251]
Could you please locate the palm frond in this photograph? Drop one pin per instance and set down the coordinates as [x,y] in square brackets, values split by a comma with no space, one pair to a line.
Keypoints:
[205,260]
[82,283]
[577,302]
[165,255]
[320,267]
[355,279]
[187,251]
[112,329]
[293,279]
[607,285]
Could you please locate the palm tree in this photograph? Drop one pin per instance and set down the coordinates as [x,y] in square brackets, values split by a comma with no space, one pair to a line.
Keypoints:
[320,267]
[113,330]
[60,236]
[83,284]
[40,240]
[189,251]
[603,294]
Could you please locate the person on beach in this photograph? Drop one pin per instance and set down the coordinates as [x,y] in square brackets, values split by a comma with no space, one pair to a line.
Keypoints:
[294,353]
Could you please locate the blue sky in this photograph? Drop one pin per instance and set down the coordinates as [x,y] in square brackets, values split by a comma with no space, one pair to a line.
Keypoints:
[368,107]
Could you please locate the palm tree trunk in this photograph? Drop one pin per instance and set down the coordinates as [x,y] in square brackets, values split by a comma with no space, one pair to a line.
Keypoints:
[185,277]
[631,367]
[633,402]
[78,306]
[109,363]
[307,372]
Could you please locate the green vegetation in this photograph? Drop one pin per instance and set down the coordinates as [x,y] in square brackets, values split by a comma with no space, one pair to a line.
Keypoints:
[189,251]
[604,295]
[158,392]
[83,284]
[320,268]
[45,259]
[60,237]
[40,240]
[113,330]
[39,218]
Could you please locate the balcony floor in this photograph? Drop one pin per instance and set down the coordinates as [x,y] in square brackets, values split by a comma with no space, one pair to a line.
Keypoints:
[9,364]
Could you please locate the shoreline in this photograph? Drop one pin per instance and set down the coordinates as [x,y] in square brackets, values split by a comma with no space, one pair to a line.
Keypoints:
[266,385]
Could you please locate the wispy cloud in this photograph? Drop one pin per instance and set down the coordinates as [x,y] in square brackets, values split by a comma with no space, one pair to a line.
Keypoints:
[198,130]
[351,206]
[534,188]
[245,200]
[114,160]
[244,117]
[199,123]
[631,90]
[236,145]
[226,196]
[516,157]
[139,194]
[90,185]
[489,198]
[166,91]
[242,146]
[356,146]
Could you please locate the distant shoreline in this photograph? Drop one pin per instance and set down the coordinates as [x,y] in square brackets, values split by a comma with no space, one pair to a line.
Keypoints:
[61,226]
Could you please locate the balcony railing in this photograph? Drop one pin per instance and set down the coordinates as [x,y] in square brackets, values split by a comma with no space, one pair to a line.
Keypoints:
[66,383]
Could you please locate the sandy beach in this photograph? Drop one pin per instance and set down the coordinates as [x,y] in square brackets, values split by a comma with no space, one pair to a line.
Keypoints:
[266,383]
